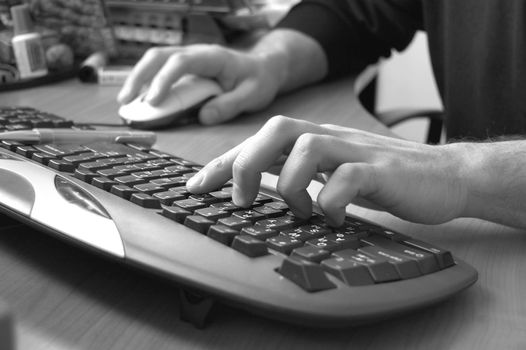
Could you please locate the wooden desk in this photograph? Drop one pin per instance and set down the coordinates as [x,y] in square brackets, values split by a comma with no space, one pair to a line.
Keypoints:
[66,298]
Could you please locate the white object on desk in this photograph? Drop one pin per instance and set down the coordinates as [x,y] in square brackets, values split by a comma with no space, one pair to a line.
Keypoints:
[187,94]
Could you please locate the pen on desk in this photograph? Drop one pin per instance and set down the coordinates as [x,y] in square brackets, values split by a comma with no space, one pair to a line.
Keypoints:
[72,136]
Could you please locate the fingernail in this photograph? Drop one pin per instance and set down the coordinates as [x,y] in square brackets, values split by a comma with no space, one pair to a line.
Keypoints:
[209,115]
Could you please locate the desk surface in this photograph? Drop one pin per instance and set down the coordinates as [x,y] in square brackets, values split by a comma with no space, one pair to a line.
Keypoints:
[66,298]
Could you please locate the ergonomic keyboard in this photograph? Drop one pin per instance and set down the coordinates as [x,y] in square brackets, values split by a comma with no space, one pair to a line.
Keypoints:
[131,203]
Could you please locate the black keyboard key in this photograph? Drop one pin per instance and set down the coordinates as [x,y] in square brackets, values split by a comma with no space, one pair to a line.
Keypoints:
[444,257]
[283,243]
[42,158]
[168,197]
[344,241]
[129,180]
[222,234]
[181,190]
[261,198]
[426,261]
[111,173]
[205,198]
[281,223]
[234,223]
[145,200]
[268,212]
[83,157]
[379,268]
[213,214]
[248,214]
[85,175]
[306,274]
[226,206]
[278,205]
[297,233]
[350,272]
[122,191]
[10,145]
[406,267]
[148,188]
[311,253]
[249,246]
[395,236]
[178,169]
[323,243]
[222,195]
[189,204]
[60,150]
[260,233]
[103,182]
[61,165]
[315,230]
[198,223]
[26,151]
[175,213]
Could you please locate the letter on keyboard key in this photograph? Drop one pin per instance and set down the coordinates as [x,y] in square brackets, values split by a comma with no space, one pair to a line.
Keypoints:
[306,274]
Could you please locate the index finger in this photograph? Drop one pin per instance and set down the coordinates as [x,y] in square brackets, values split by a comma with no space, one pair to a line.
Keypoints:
[143,72]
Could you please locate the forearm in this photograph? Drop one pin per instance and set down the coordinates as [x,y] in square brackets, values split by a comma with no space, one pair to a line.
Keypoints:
[495,176]
[293,58]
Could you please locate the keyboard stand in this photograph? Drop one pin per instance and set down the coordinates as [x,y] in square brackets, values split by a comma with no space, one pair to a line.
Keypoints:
[195,308]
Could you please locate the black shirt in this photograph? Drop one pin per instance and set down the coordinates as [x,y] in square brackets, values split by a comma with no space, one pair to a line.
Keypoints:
[477,48]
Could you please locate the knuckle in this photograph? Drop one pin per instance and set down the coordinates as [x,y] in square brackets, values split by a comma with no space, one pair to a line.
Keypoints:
[179,58]
[152,52]
[278,123]
[308,141]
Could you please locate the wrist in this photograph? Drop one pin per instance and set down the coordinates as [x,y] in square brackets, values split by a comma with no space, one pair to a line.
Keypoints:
[492,173]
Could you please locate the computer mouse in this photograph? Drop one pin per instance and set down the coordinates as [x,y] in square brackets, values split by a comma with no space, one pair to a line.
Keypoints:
[180,105]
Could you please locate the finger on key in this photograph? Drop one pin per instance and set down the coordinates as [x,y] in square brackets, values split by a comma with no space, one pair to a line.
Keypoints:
[313,154]
[215,173]
[347,182]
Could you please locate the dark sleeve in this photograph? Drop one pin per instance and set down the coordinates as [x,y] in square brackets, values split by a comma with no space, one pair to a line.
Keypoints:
[356,33]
